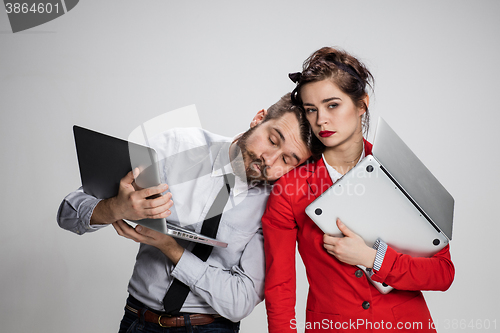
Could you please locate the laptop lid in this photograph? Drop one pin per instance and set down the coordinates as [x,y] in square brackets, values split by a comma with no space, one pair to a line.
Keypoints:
[370,200]
[406,169]
[104,160]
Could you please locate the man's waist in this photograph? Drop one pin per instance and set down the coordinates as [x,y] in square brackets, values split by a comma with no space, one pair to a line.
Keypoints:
[167,320]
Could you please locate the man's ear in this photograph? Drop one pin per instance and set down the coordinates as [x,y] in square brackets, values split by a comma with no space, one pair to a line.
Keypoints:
[258,118]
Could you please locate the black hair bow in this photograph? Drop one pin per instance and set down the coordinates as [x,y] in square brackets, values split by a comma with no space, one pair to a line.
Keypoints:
[295,77]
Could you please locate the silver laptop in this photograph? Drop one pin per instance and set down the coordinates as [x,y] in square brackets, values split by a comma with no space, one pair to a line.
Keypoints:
[389,195]
[104,160]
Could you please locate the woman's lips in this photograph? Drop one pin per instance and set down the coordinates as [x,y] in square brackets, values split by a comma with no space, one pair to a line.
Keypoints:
[325,134]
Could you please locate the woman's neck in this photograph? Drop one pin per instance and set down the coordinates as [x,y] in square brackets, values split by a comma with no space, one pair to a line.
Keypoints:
[343,158]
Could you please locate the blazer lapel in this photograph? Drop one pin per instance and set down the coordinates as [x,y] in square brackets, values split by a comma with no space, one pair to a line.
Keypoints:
[319,180]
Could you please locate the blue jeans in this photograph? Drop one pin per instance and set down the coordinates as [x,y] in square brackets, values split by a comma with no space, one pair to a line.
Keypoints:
[131,323]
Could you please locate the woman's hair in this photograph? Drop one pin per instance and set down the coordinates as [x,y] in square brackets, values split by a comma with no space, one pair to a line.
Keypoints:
[347,72]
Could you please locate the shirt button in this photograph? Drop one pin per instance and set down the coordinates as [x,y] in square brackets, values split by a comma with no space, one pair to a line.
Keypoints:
[358,273]
[366,305]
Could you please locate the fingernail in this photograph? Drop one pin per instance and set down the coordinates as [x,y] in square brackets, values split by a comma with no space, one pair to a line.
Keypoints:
[139,228]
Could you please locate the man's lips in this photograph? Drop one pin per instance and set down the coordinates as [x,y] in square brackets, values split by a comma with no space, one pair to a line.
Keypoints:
[325,134]
[256,167]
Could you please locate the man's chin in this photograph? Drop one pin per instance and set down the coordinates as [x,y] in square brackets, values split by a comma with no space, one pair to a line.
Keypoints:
[259,180]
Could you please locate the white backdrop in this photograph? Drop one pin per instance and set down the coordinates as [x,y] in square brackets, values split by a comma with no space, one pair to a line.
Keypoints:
[111,65]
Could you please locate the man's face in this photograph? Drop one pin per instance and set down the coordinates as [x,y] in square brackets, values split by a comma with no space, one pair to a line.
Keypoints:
[272,148]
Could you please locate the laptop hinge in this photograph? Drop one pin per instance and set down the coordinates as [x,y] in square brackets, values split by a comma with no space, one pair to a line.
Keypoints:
[411,199]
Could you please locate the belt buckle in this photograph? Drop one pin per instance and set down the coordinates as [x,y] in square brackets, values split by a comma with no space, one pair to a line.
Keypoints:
[159,320]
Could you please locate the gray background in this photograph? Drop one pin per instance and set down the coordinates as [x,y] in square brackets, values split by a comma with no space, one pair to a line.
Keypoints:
[111,65]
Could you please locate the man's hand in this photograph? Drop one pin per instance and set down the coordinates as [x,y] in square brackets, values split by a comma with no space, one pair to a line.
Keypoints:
[350,249]
[140,234]
[133,204]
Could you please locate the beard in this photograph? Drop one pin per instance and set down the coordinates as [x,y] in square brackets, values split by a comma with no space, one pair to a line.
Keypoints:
[249,162]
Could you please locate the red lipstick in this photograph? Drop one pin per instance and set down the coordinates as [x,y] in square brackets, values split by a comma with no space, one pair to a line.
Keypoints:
[325,134]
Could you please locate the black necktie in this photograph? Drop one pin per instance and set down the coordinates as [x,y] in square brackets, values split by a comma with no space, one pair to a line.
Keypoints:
[178,291]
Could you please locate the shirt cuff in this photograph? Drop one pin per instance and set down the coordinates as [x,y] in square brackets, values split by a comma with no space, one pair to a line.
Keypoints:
[381,248]
[87,211]
[189,269]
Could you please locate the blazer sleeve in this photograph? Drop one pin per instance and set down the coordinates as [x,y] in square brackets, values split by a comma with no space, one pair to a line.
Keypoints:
[405,272]
[280,236]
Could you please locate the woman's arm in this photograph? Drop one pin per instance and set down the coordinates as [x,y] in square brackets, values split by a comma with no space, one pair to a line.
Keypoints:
[404,272]
[280,236]
[400,271]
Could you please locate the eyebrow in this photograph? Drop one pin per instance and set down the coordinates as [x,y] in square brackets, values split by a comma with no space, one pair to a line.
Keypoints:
[326,100]
[283,139]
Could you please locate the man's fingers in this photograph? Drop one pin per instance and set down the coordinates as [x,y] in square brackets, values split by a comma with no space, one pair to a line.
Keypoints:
[157,213]
[125,230]
[129,178]
[146,232]
[117,228]
[118,225]
[147,192]
[160,201]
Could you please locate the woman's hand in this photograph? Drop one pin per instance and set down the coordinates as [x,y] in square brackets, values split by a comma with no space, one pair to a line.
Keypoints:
[350,249]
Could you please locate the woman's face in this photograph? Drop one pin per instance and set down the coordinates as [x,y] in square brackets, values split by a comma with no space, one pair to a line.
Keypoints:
[334,118]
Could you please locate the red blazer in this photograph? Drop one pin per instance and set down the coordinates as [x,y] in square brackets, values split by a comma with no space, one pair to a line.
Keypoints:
[341,298]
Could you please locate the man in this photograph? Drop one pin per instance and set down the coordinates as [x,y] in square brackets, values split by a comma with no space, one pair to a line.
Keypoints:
[222,285]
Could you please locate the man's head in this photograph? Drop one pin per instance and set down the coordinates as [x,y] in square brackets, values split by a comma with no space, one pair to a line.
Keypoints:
[278,141]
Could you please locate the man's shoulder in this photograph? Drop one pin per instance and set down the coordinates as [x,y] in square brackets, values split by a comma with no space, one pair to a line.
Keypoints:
[187,137]
[196,134]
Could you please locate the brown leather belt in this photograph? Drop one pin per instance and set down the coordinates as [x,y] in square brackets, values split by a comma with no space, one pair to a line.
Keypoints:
[165,320]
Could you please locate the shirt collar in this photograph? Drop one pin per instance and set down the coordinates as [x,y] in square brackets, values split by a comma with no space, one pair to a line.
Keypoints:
[222,166]
[334,174]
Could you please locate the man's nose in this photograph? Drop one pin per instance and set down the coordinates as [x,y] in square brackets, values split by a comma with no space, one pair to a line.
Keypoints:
[271,157]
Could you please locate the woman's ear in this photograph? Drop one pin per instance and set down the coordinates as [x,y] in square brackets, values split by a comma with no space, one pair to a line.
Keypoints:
[364,104]
[258,118]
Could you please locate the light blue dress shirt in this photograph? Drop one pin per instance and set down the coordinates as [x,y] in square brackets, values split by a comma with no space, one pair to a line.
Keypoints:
[231,282]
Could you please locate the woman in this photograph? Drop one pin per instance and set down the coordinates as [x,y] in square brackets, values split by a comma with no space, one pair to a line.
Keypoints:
[331,90]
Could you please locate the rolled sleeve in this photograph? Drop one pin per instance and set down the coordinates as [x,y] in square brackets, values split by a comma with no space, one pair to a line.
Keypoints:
[232,292]
[381,248]
[189,269]
[75,212]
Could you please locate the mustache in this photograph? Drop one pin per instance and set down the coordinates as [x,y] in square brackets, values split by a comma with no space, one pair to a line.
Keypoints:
[254,160]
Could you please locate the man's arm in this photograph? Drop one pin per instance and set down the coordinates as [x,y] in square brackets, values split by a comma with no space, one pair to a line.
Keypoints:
[232,292]
[80,212]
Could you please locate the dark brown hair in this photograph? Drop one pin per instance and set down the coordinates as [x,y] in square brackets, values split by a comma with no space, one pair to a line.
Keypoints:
[285,105]
[347,72]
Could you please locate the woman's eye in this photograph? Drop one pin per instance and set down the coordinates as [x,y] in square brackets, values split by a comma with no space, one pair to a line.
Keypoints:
[284,160]
[310,110]
[332,106]
[272,142]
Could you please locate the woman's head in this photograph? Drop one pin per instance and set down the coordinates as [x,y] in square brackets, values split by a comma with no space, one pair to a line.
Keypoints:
[340,68]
